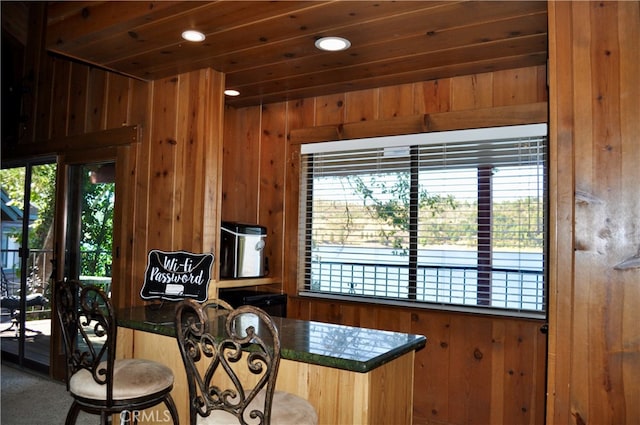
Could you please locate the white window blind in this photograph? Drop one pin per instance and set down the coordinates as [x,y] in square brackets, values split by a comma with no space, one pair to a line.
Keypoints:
[453,219]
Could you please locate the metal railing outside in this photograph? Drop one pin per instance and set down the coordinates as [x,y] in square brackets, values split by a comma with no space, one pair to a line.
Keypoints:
[520,289]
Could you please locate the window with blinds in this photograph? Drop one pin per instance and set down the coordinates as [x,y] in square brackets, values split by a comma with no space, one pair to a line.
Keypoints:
[449,220]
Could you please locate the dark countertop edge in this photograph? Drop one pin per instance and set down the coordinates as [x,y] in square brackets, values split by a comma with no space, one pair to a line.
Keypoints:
[166,329]
[356,365]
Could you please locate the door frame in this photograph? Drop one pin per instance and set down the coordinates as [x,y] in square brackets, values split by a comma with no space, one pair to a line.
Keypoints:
[124,158]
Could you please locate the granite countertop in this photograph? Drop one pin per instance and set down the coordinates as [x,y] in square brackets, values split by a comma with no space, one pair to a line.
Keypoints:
[342,347]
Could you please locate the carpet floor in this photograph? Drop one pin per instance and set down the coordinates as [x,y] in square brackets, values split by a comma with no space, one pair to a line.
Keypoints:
[30,398]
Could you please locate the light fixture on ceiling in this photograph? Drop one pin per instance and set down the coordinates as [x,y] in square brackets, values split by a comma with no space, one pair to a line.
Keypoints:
[231,92]
[193,35]
[333,44]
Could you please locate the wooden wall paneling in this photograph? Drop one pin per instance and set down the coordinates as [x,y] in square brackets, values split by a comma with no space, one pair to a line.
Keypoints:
[198,118]
[330,109]
[612,223]
[470,358]
[336,312]
[351,314]
[515,86]
[191,159]
[539,395]
[179,169]
[499,339]
[584,300]
[296,307]
[300,113]
[42,117]
[386,318]
[162,166]
[432,96]
[240,164]
[139,109]
[324,312]
[273,142]
[595,103]
[561,215]
[79,80]
[60,99]
[185,205]
[15,20]
[144,191]
[36,65]
[397,101]
[231,131]
[361,105]
[139,103]
[629,33]
[517,374]
[97,92]
[118,94]
[213,129]
[432,385]
[472,91]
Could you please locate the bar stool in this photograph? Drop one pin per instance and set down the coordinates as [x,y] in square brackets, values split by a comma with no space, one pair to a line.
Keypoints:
[243,346]
[100,383]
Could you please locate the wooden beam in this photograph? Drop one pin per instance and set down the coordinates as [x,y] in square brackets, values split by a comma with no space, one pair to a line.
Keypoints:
[96,140]
[532,113]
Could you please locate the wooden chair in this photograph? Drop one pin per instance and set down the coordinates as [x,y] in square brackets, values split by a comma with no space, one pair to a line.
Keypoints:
[100,383]
[232,365]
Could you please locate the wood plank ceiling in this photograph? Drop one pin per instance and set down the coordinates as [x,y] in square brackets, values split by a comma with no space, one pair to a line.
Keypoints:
[266,49]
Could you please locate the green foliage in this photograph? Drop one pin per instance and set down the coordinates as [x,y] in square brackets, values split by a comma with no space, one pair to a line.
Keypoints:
[97,227]
[43,190]
[390,203]
[97,213]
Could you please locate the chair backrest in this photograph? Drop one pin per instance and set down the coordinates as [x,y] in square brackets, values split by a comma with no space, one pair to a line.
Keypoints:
[89,329]
[231,357]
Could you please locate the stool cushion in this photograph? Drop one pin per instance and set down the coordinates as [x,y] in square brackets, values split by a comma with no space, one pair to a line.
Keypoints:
[132,378]
[287,409]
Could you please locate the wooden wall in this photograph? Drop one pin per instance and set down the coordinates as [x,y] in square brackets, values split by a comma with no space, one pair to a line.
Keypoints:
[178,170]
[474,369]
[594,340]
[170,172]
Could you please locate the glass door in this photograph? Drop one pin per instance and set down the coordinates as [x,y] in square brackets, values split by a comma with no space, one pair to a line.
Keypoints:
[28,198]
[89,236]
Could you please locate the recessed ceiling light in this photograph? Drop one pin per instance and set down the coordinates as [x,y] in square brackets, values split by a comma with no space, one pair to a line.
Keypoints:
[193,35]
[230,92]
[333,44]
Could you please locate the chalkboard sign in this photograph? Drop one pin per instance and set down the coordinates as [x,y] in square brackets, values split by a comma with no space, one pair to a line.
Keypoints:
[174,276]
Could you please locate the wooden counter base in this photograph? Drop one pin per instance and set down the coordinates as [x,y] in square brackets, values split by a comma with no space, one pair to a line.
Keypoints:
[383,395]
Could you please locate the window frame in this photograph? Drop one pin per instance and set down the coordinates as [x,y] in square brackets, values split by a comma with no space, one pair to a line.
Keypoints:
[476,135]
